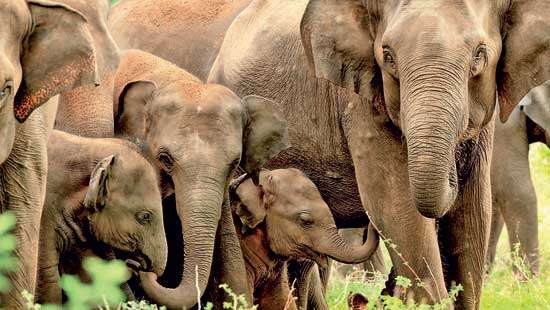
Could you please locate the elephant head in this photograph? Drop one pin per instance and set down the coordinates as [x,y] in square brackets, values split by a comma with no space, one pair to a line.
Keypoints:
[434,68]
[298,223]
[37,61]
[125,210]
[198,133]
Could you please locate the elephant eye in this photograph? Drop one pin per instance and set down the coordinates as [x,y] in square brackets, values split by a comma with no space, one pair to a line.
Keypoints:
[305,219]
[144,217]
[389,59]
[5,92]
[479,60]
[166,161]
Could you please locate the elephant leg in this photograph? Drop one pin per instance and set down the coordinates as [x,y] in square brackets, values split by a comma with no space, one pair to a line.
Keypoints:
[520,216]
[497,223]
[513,190]
[380,162]
[464,231]
[317,290]
[23,186]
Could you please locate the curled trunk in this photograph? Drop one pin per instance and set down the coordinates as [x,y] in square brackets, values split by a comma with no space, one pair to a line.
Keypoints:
[199,201]
[336,248]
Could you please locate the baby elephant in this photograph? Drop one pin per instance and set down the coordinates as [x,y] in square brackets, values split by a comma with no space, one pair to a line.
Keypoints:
[284,217]
[102,199]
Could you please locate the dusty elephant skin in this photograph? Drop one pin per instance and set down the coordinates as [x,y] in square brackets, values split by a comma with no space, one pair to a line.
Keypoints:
[36,63]
[169,29]
[87,110]
[284,217]
[198,133]
[102,197]
[419,139]
[514,197]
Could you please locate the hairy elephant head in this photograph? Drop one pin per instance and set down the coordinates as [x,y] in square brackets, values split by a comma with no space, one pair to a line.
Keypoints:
[125,210]
[198,133]
[435,68]
[297,221]
[37,61]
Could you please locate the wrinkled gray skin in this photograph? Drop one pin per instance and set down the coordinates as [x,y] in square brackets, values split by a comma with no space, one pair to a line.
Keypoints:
[102,197]
[514,198]
[198,133]
[285,217]
[169,28]
[36,63]
[418,142]
[87,110]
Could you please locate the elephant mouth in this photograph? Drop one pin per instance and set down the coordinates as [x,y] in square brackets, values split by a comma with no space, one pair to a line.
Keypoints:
[320,258]
[135,260]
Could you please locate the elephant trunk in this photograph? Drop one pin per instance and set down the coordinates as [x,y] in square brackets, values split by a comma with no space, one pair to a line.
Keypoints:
[433,114]
[199,198]
[336,248]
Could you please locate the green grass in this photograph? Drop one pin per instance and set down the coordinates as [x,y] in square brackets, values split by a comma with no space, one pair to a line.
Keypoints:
[502,290]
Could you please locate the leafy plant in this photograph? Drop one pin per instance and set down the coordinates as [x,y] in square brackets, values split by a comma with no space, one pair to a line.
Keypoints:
[8,242]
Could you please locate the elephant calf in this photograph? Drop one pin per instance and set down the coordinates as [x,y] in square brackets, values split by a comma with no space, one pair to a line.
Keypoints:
[284,217]
[102,199]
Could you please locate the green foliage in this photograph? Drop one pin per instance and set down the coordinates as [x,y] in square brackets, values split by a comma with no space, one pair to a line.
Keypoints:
[8,242]
[238,302]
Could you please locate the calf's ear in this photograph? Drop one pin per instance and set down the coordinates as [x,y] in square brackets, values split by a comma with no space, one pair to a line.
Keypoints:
[251,208]
[98,191]
[58,55]
[131,113]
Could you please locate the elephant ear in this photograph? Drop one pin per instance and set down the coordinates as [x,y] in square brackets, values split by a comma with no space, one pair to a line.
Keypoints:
[536,105]
[251,209]
[58,55]
[338,45]
[97,193]
[132,102]
[525,58]
[265,133]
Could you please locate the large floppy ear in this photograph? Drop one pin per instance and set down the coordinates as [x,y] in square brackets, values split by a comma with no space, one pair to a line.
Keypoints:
[131,115]
[97,193]
[338,44]
[525,59]
[265,133]
[58,55]
[536,105]
[251,208]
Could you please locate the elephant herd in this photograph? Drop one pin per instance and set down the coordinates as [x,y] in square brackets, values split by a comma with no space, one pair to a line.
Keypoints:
[410,120]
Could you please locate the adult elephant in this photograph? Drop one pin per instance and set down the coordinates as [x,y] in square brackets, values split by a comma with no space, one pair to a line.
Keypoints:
[198,134]
[187,33]
[87,110]
[420,138]
[514,197]
[37,62]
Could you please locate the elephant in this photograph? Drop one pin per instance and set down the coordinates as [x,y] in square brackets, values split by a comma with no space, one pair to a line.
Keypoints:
[198,134]
[514,197]
[36,64]
[416,142]
[376,264]
[88,110]
[102,196]
[283,216]
[169,28]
